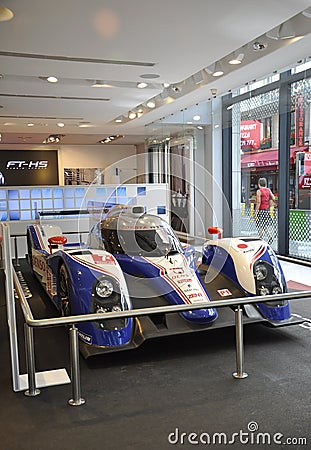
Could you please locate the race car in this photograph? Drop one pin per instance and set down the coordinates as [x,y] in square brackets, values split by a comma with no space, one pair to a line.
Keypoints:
[135,260]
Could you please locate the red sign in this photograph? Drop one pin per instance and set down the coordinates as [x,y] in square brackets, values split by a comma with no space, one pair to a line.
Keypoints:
[304,182]
[307,164]
[300,120]
[250,131]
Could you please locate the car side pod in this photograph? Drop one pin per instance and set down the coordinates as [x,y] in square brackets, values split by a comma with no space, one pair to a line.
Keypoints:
[275,313]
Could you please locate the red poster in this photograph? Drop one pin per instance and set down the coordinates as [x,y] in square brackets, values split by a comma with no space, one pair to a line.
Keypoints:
[250,134]
[307,164]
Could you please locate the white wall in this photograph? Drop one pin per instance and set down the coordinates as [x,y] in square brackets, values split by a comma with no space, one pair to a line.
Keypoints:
[89,156]
[82,156]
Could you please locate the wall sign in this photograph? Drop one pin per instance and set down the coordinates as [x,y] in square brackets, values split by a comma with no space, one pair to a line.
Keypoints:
[250,131]
[28,167]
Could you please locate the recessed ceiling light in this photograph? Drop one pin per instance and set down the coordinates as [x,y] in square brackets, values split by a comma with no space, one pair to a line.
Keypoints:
[60,124]
[118,120]
[236,59]
[85,125]
[142,85]
[196,117]
[149,75]
[8,124]
[218,71]
[5,14]
[132,115]
[199,127]
[30,124]
[151,104]
[189,123]
[101,84]
[166,85]
[52,79]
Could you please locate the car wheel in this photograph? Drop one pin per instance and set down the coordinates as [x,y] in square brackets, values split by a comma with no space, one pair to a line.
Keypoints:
[64,291]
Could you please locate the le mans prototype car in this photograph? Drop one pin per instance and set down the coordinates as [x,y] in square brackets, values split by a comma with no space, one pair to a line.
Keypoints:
[135,260]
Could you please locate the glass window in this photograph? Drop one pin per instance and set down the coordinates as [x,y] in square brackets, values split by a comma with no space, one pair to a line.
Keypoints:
[255,128]
[141,190]
[12,194]
[58,193]
[25,204]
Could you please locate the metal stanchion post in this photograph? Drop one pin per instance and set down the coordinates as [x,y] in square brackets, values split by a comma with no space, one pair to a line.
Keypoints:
[76,399]
[239,344]
[16,251]
[30,362]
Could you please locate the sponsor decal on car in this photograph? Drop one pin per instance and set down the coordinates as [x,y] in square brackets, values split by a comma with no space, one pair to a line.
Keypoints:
[85,337]
[224,292]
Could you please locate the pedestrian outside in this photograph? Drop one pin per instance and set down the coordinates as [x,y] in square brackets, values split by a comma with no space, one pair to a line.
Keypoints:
[264,199]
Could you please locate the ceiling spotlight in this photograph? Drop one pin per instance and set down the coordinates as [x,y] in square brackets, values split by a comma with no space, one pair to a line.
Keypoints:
[176,89]
[119,120]
[259,46]
[60,124]
[52,79]
[30,124]
[166,85]
[53,139]
[217,72]
[142,85]
[85,125]
[236,59]
[101,84]
[109,139]
[151,104]
[199,127]
[196,117]
[5,14]
[132,115]
[284,31]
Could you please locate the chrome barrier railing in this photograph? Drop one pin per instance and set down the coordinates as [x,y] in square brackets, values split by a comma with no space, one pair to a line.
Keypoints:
[73,332]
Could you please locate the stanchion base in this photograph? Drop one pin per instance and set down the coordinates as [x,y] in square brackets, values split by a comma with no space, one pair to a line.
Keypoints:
[240,375]
[79,402]
[32,394]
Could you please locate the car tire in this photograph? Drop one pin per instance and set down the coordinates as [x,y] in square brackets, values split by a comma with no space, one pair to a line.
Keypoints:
[64,291]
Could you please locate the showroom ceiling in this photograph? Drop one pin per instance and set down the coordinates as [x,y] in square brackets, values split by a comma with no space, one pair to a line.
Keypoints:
[100,50]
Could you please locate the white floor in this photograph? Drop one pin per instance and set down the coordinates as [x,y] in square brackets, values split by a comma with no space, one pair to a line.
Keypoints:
[296,273]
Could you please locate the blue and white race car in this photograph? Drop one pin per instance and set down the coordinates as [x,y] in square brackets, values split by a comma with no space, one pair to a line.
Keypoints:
[135,260]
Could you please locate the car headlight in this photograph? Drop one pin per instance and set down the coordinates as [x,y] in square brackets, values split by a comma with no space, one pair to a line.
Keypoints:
[276,290]
[104,288]
[260,272]
[264,291]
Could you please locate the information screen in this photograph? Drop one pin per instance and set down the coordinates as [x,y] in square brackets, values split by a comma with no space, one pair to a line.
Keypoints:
[28,167]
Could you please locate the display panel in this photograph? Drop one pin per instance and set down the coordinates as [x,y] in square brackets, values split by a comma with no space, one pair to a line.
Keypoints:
[28,167]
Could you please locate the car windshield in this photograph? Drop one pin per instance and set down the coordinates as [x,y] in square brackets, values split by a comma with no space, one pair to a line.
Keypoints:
[158,241]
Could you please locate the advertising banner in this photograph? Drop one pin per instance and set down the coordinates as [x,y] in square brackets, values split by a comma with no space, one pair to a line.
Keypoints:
[28,168]
[250,131]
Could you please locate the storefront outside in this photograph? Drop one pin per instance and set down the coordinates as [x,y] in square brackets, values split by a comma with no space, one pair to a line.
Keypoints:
[266,133]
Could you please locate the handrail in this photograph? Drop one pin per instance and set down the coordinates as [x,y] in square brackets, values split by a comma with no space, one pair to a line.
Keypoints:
[156,310]
[76,399]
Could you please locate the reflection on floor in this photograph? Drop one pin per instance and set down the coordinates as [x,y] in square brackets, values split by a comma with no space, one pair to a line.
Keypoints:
[298,277]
